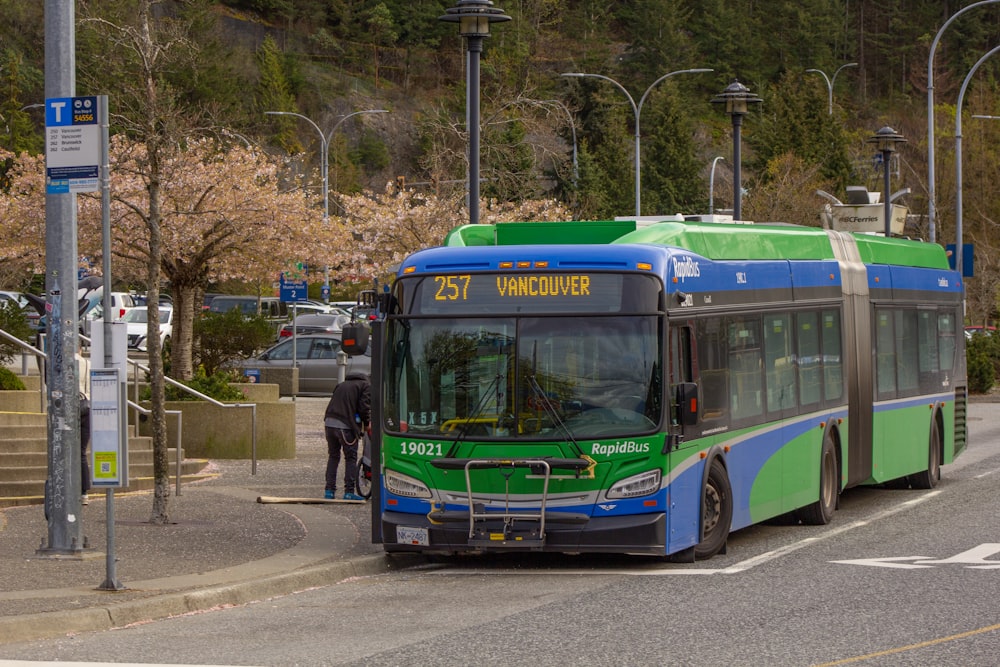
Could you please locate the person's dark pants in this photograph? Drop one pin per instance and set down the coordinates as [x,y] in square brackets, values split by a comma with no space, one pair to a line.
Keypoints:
[84,446]
[338,439]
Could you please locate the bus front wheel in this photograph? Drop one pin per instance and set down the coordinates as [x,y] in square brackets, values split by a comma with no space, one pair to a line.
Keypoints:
[716,512]
[929,478]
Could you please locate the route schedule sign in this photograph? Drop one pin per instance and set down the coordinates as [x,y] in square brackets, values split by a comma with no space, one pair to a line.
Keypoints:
[72,145]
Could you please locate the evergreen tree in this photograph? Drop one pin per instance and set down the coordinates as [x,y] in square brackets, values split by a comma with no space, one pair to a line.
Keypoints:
[19,130]
[274,94]
[794,118]
[672,179]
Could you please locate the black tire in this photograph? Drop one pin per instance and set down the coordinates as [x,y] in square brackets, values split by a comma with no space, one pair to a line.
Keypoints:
[716,512]
[929,478]
[821,512]
[364,481]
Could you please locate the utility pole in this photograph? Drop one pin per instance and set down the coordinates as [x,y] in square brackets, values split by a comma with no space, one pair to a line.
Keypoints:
[63,488]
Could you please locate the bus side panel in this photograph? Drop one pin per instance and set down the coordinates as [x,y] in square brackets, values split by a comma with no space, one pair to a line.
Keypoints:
[902,431]
[684,499]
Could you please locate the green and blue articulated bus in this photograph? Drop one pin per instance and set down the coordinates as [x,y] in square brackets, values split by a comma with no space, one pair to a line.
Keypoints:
[622,387]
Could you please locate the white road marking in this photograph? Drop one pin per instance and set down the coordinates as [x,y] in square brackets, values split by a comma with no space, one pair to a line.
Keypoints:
[670,570]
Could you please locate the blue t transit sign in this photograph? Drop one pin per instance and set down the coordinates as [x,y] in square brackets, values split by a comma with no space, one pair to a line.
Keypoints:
[72,145]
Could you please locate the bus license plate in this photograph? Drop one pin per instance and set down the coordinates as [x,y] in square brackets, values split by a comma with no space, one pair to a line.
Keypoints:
[410,535]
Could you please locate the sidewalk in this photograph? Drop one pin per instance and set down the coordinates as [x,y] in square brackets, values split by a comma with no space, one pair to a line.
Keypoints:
[222,547]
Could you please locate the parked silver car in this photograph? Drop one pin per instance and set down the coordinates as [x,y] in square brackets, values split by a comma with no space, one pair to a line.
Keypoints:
[316,358]
[313,324]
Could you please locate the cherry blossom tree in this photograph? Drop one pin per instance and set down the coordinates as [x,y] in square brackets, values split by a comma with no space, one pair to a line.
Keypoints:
[378,231]
[22,226]
[225,213]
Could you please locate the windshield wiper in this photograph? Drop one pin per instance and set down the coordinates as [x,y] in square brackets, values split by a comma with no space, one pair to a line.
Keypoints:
[552,413]
[463,429]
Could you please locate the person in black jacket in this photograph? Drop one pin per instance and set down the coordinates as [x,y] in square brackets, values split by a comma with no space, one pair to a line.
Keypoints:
[347,417]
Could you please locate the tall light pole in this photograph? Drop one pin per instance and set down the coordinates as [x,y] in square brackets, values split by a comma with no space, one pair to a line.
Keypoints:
[324,169]
[830,81]
[711,185]
[473,18]
[958,159]
[885,141]
[636,110]
[931,215]
[737,99]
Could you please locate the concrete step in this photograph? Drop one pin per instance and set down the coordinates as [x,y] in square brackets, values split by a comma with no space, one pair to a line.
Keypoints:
[18,493]
[23,419]
[34,465]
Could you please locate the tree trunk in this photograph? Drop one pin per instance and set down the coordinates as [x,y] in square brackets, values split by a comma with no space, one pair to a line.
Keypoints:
[187,306]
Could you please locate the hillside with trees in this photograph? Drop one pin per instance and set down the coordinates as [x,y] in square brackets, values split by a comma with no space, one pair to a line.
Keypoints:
[326,59]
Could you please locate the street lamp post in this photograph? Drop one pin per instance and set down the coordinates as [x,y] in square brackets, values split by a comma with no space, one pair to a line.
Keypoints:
[931,215]
[958,159]
[324,162]
[885,141]
[473,18]
[737,98]
[711,185]
[636,110]
[830,81]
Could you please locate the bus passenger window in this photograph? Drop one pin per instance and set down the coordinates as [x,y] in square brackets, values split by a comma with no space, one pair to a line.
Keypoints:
[833,374]
[946,342]
[779,363]
[907,346]
[885,355]
[745,364]
[713,377]
[809,358]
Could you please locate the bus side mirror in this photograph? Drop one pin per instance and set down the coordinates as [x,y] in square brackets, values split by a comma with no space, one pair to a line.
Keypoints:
[687,403]
[354,338]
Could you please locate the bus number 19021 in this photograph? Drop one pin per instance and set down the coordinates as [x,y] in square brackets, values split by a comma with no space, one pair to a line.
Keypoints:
[421,448]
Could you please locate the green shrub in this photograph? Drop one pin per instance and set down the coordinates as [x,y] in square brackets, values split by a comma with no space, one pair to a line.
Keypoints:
[9,381]
[981,359]
[214,386]
[225,338]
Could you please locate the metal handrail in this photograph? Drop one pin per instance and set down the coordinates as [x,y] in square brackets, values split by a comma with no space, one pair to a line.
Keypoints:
[42,358]
[39,355]
[194,392]
[179,449]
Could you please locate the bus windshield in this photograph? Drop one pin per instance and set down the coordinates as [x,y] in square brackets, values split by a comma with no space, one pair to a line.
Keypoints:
[527,378]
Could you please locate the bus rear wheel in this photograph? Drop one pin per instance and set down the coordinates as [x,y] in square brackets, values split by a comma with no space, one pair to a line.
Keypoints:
[929,478]
[821,512]
[716,512]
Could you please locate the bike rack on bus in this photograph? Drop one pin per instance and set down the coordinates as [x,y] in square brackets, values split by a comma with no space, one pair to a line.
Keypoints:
[484,536]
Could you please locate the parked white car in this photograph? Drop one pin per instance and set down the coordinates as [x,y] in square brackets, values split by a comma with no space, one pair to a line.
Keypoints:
[136,321]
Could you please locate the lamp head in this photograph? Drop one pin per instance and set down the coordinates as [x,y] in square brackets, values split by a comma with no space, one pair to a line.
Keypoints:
[737,98]
[886,139]
[474,17]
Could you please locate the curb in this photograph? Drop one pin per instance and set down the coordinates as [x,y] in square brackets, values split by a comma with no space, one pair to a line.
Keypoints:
[31,627]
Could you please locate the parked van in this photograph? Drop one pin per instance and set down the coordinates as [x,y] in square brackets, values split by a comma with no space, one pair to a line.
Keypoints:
[271,307]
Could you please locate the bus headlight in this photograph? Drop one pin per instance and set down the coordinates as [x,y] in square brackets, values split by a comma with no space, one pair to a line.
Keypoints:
[642,484]
[404,485]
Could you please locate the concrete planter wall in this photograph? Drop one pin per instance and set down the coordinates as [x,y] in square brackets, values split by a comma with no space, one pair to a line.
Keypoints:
[210,431]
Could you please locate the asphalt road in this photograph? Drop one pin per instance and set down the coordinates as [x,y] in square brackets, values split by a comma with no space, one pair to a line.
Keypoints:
[898,578]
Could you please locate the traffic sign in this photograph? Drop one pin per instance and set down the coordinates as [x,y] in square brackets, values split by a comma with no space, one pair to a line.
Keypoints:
[72,145]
